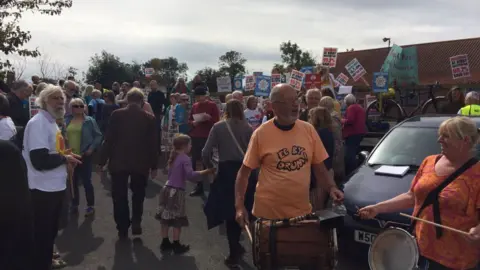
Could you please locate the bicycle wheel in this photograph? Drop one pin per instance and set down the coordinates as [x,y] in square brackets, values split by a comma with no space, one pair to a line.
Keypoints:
[390,113]
[428,107]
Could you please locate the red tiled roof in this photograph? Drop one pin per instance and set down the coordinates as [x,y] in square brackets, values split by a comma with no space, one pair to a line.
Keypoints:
[433,61]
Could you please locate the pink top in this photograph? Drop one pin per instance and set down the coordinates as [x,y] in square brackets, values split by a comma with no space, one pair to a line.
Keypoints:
[354,122]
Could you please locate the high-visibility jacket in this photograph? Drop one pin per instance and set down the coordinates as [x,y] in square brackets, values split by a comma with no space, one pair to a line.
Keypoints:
[470,110]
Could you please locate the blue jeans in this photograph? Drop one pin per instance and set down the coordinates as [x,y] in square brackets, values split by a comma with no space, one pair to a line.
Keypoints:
[352,146]
[83,173]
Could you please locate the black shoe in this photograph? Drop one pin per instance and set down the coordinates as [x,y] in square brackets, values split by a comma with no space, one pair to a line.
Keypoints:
[123,234]
[166,245]
[179,248]
[196,192]
[232,262]
[136,229]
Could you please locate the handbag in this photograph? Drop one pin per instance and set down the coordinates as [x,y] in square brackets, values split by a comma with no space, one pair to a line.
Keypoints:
[432,197]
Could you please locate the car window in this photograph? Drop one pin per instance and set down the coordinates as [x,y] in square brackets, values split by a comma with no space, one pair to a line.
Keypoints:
[406,146]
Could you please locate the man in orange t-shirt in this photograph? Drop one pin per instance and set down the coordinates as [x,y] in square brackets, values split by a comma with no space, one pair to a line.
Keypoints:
[284,149]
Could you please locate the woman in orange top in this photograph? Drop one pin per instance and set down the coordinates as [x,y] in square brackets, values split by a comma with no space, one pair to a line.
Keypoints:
[459,202]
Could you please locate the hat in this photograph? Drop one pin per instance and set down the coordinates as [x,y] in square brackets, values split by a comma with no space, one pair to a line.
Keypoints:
[200,91]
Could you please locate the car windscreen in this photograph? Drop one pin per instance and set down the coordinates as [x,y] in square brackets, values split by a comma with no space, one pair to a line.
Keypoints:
[406,146]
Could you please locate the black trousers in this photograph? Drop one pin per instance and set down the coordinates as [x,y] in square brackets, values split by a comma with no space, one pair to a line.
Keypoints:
[121,209]
[233,235]
[197,147]
[47,207]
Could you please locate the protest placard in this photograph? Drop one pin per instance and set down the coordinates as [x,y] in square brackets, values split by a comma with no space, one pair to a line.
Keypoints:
[33,108]
[224,84]
[355,69]
[307,70]
[149,72]
[296,79]
[313,81]
[275,79]
[249,83]
[380,82]
[394,53]
[237,83]
[460,66]
[342,79]
[329,57]
[262,86]
[404,70]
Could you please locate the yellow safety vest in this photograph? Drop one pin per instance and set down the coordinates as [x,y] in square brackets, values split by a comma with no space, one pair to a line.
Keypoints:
[470,110]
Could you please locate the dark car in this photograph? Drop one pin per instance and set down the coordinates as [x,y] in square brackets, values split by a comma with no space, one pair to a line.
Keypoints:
[407,144]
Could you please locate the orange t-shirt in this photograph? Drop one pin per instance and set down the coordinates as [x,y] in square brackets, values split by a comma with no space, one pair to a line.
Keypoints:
[459,209]
[284,159]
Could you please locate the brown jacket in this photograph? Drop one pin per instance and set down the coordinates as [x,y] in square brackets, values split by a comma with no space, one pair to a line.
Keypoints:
[131,143]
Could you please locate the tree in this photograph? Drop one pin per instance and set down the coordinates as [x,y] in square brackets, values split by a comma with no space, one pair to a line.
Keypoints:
[167,70]
[18,66]
[280,68]
[209,76]
[12,37]
[50,69]
[107,69]
[293,56]
[232,63]
[72,71]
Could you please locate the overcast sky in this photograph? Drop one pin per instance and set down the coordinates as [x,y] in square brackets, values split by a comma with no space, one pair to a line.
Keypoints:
[198,32]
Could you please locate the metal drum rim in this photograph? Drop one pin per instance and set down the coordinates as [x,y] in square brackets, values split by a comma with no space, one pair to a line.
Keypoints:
[415,247]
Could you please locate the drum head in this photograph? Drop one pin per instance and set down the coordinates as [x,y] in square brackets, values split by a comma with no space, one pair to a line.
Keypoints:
[393,249]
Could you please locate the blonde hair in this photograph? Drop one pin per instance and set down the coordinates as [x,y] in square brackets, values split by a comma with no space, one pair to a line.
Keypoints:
[135,95]
[96,93]
[320,117]
[180,141]
[328,103]
[313,90]
[88,90]
[76,101]
[228,97]
[51,89]
[459,128]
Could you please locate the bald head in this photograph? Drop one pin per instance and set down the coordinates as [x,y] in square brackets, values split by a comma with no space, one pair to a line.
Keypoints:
[279,91]
[285,103]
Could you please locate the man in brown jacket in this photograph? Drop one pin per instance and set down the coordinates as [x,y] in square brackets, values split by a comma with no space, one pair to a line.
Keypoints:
[130,147]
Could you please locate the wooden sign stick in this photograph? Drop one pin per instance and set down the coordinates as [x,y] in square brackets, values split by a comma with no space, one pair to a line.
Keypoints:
[248,233]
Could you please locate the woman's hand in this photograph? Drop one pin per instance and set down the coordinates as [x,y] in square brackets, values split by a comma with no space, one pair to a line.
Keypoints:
[474,234]
[368,212]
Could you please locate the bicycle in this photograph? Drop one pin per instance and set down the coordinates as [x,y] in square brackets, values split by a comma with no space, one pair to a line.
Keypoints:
[387,109]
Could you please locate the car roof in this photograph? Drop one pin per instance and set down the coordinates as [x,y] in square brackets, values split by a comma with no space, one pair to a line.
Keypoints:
[430,121]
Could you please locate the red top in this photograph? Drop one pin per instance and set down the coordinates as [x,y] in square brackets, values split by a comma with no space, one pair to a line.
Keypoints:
[203,129]
[354,122]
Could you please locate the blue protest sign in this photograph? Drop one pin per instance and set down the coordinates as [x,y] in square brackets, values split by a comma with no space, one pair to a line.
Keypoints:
[237,83]
[380,82]
[262,86]
[307,70]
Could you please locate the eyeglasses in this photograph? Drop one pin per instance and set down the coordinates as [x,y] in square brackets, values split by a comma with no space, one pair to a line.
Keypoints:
[78,106]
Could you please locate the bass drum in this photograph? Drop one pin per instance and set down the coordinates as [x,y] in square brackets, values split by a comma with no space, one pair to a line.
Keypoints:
[393,249]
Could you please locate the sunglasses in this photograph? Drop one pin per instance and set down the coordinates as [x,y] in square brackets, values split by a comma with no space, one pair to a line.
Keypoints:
[78,106]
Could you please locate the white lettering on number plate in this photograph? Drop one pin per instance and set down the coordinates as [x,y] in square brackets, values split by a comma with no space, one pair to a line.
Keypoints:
[364,237]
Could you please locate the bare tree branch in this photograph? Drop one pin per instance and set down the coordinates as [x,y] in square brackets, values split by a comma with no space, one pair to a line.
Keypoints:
[45,66]
[18,66]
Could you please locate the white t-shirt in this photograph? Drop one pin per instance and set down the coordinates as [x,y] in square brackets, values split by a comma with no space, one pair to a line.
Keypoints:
[254,117]
[42,132]
[7,129]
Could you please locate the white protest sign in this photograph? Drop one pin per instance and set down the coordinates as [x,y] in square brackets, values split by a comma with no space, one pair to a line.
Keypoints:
[355,69]
[149,72]
[460,66]
[224,84]
[329,57]
[342,79]
[33,108]
[296,79]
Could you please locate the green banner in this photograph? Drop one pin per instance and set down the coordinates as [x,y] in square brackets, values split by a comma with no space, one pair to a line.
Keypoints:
[405,68]
[394,53]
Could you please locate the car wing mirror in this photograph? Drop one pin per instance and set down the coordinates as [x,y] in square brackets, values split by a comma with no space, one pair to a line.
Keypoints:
[364,154]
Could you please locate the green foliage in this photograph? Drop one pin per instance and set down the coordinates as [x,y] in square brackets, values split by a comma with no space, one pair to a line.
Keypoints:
[12,37]
[209,76]
[107,69]
[232,63]
[167,70]
[294,57]
[280,68]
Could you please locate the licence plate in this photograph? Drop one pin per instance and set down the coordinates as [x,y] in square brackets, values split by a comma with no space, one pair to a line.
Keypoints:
[364,237]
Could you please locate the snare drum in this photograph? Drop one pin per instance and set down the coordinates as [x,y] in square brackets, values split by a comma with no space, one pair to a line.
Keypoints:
[393,249]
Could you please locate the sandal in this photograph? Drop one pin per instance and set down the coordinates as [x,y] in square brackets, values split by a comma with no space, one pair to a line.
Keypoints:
[56,255]
[58,264]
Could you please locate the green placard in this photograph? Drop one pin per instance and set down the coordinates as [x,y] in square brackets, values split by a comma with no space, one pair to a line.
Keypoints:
[394,53]
[405,68]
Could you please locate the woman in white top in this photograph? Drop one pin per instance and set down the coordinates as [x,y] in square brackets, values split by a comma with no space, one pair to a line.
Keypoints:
[252,113]
[7,127]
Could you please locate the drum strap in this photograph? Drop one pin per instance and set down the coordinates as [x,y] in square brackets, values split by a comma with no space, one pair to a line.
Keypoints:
[273,244]
[432,197]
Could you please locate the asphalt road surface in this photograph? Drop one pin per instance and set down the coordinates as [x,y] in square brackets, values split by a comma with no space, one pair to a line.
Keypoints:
[91,244]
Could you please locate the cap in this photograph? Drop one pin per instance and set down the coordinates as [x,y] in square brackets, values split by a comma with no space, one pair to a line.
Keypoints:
[200,91]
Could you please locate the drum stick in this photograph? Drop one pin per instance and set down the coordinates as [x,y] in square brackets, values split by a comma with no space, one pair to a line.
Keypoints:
[435,224]
[248,233]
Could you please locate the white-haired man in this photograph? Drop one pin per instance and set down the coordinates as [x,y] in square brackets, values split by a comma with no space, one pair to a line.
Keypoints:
[47,162]
[238,95]
[472,108]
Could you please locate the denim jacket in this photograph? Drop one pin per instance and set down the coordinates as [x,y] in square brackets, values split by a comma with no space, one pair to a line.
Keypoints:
[91,135]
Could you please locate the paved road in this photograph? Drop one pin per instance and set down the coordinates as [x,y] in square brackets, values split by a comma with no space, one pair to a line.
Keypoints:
[91,244]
